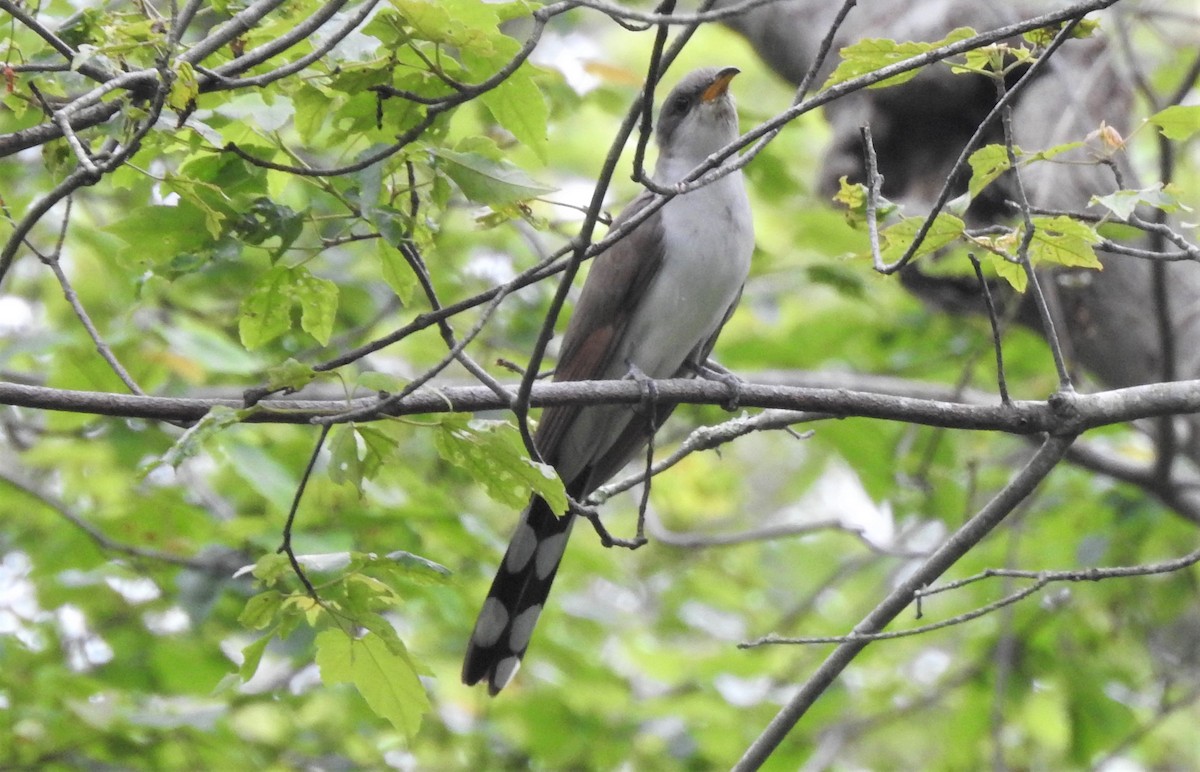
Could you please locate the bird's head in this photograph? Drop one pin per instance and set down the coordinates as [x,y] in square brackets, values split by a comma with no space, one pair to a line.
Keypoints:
[698,117]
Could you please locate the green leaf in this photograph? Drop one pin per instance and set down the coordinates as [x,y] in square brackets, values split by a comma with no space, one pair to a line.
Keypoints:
[192,441]
[385,677]
[493,454]
[853,196]
[1011,272]
[345,466]
[419,568]
[1063,241]
[872,54]
[318,299]
[377,447]
[260,610]
[265,219]
[291,375]
[312,111]
[486,181]
[1051,152]
[1177,122]
[991,161]
[396,271]
[381,382]
[996,58]
[517,104]
[987,163]
[251,655]
[1122,203]
[185,87]
[895,240]
[159,233]
[357,453]
[270,568]
[467,24]
[198,351]
[263,473]
[267,311]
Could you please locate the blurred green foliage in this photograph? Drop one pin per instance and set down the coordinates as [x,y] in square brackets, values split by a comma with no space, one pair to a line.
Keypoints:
[126,640]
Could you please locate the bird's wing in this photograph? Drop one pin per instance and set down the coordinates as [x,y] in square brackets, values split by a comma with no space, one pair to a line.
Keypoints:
[618,279]
[636,432]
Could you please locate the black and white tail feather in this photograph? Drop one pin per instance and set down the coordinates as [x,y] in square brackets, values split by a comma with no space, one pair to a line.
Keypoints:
[517,597]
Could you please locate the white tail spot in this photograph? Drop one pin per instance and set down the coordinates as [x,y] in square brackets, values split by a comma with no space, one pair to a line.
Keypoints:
[522,628]
[505,670]
[520,549]
[493,618]
[549,552]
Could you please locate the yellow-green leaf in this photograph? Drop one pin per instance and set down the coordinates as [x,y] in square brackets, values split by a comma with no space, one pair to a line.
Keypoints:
[895,240]
[184,89]
[396,271]
[1177,122]
[252,655]
[345,466]
[493,454]
[1011,272]
[517,104]
[290,374]
[1063,241]
[386,678]
[987,163]
[192,440]
[489,182]
[261,609]
[872,54]
[267,310]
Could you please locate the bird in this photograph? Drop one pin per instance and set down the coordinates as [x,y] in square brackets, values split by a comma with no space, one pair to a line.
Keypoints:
[652,305]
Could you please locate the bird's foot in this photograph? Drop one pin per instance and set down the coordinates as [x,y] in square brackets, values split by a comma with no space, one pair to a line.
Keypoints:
[648,388]
[606,539]
[711,371]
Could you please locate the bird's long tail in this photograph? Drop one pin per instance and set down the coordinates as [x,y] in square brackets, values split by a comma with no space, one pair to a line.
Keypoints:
[519,591]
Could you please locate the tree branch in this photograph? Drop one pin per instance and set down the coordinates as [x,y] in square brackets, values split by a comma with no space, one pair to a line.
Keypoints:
[959,543]
[1061,414]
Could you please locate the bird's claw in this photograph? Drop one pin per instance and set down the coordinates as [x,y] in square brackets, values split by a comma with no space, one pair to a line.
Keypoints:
[732,382]
[647,385]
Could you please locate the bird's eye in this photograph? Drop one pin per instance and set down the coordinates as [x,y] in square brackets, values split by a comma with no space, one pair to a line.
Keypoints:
[681,104]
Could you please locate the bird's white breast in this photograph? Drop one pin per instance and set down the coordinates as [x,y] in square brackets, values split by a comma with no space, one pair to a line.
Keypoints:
[708,239]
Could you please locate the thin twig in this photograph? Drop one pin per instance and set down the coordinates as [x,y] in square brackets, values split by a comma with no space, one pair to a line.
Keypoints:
[102,540]
[874,184]
[1001,381]
[654,73]
[222,82]
[88,68]
[286,545]
[1035,288]
[54,264]
[708,438]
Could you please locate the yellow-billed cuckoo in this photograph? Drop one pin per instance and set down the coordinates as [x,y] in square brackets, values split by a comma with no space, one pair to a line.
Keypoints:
[653,303]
